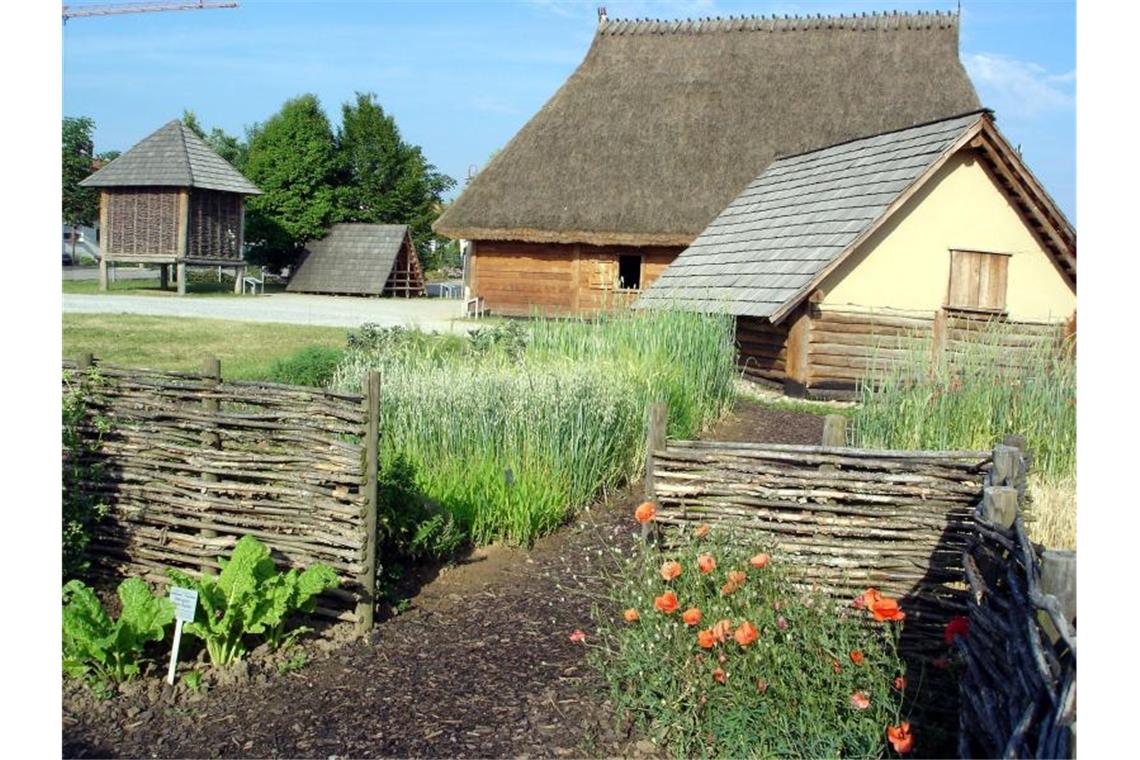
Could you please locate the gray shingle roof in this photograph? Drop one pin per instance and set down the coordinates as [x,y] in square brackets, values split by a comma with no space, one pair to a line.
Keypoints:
[350,259]
[172,156]
[796,218]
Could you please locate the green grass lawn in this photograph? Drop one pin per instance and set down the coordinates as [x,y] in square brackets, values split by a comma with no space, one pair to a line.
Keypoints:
[246,349]
[151,288]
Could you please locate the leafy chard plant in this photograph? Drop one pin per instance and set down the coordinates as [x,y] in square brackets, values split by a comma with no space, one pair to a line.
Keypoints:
[250,597]
[101,650]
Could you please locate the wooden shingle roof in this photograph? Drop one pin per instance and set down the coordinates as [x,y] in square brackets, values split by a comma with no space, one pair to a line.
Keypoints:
[352,259]
[804,214]
[172,156]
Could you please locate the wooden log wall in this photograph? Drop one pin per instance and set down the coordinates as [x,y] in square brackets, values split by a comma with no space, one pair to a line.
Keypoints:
[1017,691]
[761,350]
[1011,342]
[191,464]
[844,347]
[845,519]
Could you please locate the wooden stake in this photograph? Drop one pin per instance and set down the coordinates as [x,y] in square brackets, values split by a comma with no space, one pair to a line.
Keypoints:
[654,441]
[367,580]
[211,368]
[1059,578]
[999,506]
[834,430]
[181,269]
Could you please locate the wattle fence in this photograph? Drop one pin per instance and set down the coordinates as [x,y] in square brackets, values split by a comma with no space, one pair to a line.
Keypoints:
[188,463]
[921,526]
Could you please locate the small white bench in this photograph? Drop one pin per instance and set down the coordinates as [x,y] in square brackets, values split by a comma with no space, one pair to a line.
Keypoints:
[252,284]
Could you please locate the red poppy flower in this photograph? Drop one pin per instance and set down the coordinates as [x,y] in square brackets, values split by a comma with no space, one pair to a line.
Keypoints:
[706,639]
[666,603]
[728,588]
[900,683]
[746,634]
[759,561]
[691,616]
[901,738]
[736,577]
[670,570]
[645,512]
[857,657]
[706,563]
[722,629]
[631,615]
[860,701]
[719,675]
[886,609]
[702,530]
[578,635]
[959,626]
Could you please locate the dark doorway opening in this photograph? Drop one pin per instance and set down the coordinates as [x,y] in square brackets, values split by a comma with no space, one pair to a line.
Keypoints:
[629,272]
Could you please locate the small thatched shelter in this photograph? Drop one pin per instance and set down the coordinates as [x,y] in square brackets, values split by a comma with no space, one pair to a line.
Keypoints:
[171,200]
[664,122]
[361,259]
[833,260]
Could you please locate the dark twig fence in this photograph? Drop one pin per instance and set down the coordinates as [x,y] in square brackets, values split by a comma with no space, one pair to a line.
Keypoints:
[1018,689]
[919,526]
[192,463]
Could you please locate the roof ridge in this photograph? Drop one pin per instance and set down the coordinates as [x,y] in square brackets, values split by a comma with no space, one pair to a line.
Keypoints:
[182,130]
[775,23]
[861,138]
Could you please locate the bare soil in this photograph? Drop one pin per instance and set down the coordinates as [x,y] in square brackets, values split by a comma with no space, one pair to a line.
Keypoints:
[481,664]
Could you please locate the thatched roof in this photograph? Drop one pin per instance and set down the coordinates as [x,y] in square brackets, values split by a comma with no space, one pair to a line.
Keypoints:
[664,123]
[352,259]
[805,214]
[172,156]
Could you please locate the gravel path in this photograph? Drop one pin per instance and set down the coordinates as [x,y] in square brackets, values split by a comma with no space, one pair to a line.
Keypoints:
[430,314]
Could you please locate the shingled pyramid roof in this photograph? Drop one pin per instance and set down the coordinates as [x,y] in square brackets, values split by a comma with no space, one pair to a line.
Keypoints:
[664,122]
[172,156]
[805,214]
[355,259]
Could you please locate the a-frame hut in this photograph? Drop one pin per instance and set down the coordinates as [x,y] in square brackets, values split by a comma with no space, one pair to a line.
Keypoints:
[834,260]
[361,259]
[171,200]
[663,123]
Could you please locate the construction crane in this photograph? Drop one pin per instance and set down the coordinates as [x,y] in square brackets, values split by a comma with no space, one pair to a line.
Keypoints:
[113,9]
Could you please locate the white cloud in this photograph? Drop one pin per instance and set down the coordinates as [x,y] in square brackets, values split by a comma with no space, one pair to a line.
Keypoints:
[1020,88]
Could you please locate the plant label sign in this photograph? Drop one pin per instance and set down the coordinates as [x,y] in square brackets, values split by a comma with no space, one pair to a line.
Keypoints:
[185,601]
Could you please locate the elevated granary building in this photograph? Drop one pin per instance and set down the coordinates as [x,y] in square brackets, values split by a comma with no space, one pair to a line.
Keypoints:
[664,123]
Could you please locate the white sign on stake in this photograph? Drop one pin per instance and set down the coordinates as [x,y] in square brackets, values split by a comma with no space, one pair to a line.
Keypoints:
[185,602]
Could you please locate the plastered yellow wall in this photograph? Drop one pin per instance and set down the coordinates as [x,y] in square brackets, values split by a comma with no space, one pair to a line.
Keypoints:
[905,264]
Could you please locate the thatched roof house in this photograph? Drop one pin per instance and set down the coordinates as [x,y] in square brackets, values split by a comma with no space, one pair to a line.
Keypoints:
[171,200]
[914,231]
[360,259]
[664,122]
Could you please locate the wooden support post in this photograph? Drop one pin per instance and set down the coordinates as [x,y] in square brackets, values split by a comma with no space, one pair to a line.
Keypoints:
[181,269]
[84,361]
[654,441]
[834,430]
[239,276]
[797,375]
[211,368]
[164,276]
[999,506]
[938,336]
[365,608]
[1059,580]
[102,273]
[183,237]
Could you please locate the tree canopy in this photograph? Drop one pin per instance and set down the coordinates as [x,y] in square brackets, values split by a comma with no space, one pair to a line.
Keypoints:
[80,204]
[231,148]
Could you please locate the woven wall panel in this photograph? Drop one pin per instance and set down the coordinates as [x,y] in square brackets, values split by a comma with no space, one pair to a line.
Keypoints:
[215,225]
[142,222]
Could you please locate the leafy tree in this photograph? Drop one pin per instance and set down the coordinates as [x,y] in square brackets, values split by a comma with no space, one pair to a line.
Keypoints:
[108,156]
[231,148]
[292,158]
[80,204]
[383,179]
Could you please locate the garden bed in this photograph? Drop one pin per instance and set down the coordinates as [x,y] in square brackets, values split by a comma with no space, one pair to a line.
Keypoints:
[479,664]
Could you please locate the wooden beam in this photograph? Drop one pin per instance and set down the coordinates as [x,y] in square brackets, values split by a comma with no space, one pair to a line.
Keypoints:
[798,370]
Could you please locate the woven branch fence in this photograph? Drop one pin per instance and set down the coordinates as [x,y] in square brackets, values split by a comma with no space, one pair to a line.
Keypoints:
[190,463]
[1018,689]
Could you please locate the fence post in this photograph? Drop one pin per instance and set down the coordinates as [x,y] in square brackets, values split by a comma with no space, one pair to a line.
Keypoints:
[654,440]
[999,506]
[1059,579]
[212,369]
[84,361]
[834,430]
[365,608]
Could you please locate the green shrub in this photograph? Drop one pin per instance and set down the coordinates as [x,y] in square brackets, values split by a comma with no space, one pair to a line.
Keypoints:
[101,650]
[313,366]
[511,429]
[82,467]
[250,597]
[793,691]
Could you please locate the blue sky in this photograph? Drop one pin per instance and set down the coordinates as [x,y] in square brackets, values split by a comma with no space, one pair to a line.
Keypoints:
[462,77]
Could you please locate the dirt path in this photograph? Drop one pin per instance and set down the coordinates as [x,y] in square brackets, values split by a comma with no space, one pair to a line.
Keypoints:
[481,666]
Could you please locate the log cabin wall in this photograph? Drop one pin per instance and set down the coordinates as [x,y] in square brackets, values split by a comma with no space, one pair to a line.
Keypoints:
[518,279]
[761,350]
[843,346]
